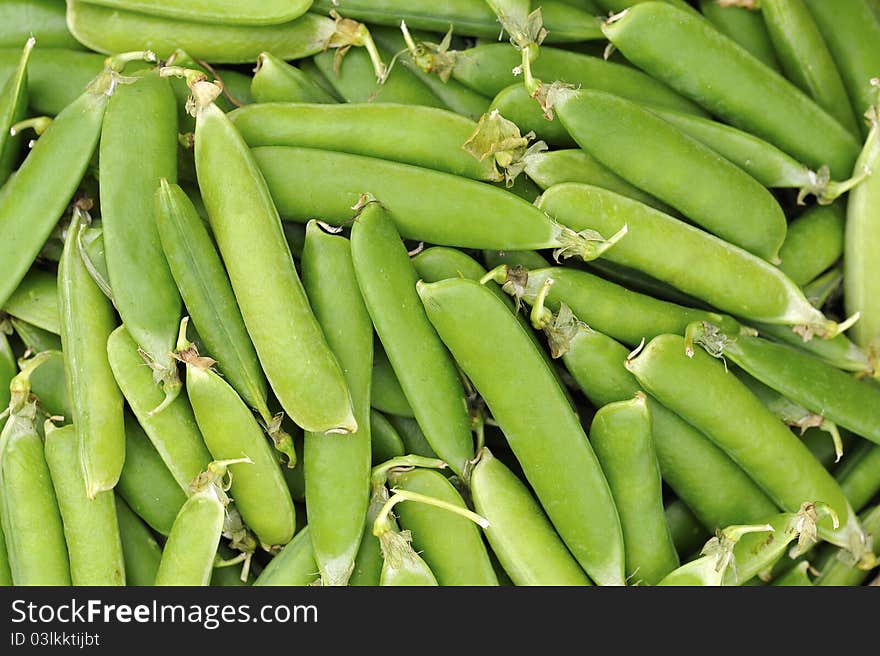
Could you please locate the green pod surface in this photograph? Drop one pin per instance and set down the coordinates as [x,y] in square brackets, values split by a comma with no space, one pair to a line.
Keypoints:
[299,364]
[385,131]
[139,548]
[413,437]
[293,566]
[87,319]
[526,259]
[233,12]
[704,65]
[859,475]
[49,385]
[406,569]
[451,545]
[173,431]
[621,436]
[35,339]
[838,568]
[56,76]
[386,394]
[337,467]
[521,390]
[277,81]
[13,108]
[839,351]
[42,19]
[515,104]
[8,369]
[813,243]
[519,532]
[91,530]
[35,301]
[744,26]
[700,390]
[688,535]
[32,527]
[385,441]
[110,30]
[797,576]
[139,148]
[427,373]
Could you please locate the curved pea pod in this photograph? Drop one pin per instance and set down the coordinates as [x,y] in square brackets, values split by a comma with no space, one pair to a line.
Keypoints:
[813,243]
[231,431]
[299,364]
[32,524]
[861,274]
[35,301]
[173,431]
[87,319]
[49,385]
[385,391]
[91,529]
[43,19]
[141,118]
[704,65]
[621,436]
[839,351]
[385,131]
[139,548]
[294,565]
[35,339]
[402,566]
[838,568]
[516,104]
[233,12]
[687,533]
[5,572]
[519,387]
[728,277]
[13,108]
[744,26]
[277,81]
[451,545]
[526,259]
[797,576]
[700,391]
[385,441]
[8,369]
[413,437]
[859,475]
[426,205]
[146,484]
[519,532]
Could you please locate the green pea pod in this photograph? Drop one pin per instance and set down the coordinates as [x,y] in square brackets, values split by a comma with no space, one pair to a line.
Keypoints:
[426,205]
[426,372]
[515,104]
[859,475]
[87,319]
[5,572]
[861,272]
[526,259]
[621,436]
[310,68]
[233,12]
[299,364]
[451,545]
[43,19]
[141,118]
[744,26]
[173,431]
[727,278]
[688,535]
[35,339]
[838,568]
[277,81]
[49,385]
[700,390]
[519,532]
[525,399]
[8,370]
[369,562]
[139,548]
[704,65]
[385,441]
[91,529]
[385,131]
[35,301]
[402,566]
[146,484]
[13,108]
[385,391]
[813,243]
[32,526]
[615,6]
[414,440]
[839,351]
[337,467]
[294,565]
[797,576]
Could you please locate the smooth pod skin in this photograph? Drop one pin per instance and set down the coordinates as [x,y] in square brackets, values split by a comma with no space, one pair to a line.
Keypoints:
[35,300]
[516,105]
[859,475]
[294,565]
[839,351]
[36,339]
[729,278]
[407,570]
[277,81]
[526,259]
[231,431]
[713,400]
[49,385]
[43,19]
[337,467]
[110,30]
[386,394]
[521,390]
[421,136]
[385,441]
[451,545]
[13,108]
[838,569]
[621,436]
[797,576]
[91,530]
[139,148]
[56,76]
[704,65]
[813,243]
[139,548]
[426,372]
[207,292]
[87,319]
[32,526]
[688,535]
[146,484]
[234,12]
[413,437]
[744,26]
[8,369]
[299,364]
[173,431]
[520,534]
[861,272]
[718,196]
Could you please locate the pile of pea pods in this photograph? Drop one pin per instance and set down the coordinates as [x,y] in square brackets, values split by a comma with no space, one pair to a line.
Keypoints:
[403,293]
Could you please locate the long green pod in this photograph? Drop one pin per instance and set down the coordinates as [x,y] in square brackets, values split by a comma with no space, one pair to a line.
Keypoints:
[35,300]
[42,19]
[138,149]
[277,81]
[385,441]
[520,389]
[173,431]
[427,373]
[337,467]
[859,475]
[519,532]
[429,206]
[813,243]
[234,12]
[91,529]
[700,390]
[13,108]
[838,568]
[299,364]
[49,385]
[8,369]
[386,394]
[797,576]
[139,548]
[385,131]
[744,26]
[87,319]
[294,565]
[688,535]
[704,65]
[516,105]
[839,351]
[34,338]
[729,278]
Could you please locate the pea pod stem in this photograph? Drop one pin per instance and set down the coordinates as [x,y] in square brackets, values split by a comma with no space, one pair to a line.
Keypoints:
[382,523]
[39,124]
